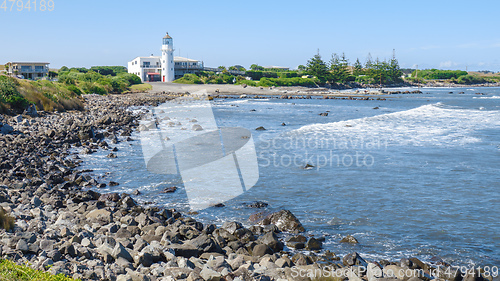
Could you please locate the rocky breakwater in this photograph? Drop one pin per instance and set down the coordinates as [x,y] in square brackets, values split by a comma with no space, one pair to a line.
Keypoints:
[63,226]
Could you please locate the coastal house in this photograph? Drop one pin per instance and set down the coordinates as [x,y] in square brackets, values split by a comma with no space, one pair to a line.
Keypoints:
[28,70]
[164,68]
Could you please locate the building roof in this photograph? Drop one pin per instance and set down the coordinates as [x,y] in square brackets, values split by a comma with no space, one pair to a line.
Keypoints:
[24,62]
[181,59]
[276,67]
[167,36]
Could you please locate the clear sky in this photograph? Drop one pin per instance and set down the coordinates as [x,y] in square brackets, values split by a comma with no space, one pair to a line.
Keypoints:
[430,34]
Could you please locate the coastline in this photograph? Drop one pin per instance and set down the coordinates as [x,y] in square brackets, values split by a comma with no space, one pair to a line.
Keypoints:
[227,90]
[87,235]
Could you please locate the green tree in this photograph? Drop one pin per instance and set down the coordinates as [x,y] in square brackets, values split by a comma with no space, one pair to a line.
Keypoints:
[394,70]
[369,63]
[233,68]
[256,67]
[358,68]
[223,68]
[317,67]
[302,67]
[339,68]
[64,68]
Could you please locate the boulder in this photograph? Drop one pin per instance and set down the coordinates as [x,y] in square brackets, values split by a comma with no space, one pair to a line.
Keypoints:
[314,244]
[261,249]
[184,250]
[113,197]
[100,215]
[349,239]
[270,239]
[231,227]
[120,252]
[285,221]
[354,259]
[203,243]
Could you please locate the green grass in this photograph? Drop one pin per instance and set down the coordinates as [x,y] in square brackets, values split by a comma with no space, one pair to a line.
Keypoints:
[140,88]
[9,271]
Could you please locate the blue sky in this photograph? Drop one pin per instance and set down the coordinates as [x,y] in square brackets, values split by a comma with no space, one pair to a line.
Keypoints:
[430,34]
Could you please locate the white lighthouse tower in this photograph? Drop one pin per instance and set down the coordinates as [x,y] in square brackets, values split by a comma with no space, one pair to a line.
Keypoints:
[167,59]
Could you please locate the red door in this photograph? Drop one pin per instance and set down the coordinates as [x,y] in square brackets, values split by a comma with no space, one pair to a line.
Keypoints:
[163,78]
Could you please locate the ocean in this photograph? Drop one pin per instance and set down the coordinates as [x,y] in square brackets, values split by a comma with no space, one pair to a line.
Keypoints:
[416,175]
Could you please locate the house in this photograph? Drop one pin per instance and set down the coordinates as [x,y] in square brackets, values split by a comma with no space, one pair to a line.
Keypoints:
[28,70]
[164,68]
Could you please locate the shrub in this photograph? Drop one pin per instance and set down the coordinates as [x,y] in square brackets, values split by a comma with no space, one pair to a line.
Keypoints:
[266,82]
[75,90]
[6,221]
[119,85]
[189,79]
[131,79]
[288,82]
[247,82]
[11,271]
[10,95]
[470,79]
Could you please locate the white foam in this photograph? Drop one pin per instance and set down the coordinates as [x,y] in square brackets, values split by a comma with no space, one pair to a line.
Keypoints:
[492,97]
[428,125]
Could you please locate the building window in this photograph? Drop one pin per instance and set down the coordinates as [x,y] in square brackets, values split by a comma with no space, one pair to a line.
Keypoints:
[26,68]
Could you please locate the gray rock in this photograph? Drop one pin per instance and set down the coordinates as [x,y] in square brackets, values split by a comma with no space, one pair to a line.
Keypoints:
[184,250]
[349,239]
[22,246]
[31,111]
[197,127]
[124,277]
[314,244]
[261,250]
[231,227]
[354,259]
[285,221]
[203,243]
[36,201]
[47,245]
[209,274]
[270,239]
[120,252]
[145,259]
[6,129]
[283,262]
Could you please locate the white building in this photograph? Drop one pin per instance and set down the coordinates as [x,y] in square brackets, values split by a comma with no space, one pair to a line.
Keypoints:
[164,68]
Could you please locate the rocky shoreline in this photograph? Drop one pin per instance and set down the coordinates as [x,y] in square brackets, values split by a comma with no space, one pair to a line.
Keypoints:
[63,226]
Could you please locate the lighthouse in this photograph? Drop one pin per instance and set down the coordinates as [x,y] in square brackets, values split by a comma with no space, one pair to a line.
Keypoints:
[167,59]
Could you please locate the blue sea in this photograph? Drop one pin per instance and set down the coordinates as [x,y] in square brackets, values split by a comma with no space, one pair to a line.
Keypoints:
[416,175]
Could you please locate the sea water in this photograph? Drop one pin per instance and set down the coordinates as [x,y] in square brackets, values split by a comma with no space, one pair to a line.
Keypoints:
[414,175]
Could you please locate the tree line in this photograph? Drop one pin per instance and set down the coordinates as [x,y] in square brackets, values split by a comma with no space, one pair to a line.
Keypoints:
[339,71]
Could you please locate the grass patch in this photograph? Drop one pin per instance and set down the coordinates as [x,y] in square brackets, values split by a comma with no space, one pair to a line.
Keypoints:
[140,88]
[9,271]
